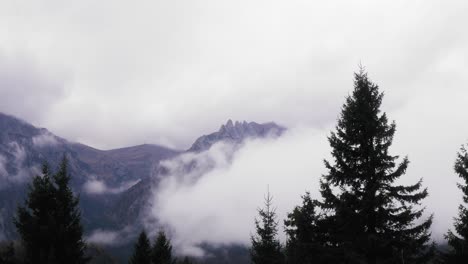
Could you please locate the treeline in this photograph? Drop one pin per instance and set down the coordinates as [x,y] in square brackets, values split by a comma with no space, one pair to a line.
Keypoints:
[49,225]
[363,216]
[49,222]
[159,253]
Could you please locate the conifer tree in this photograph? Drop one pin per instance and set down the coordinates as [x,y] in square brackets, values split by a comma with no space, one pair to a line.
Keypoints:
[161,252]
[69,244]
[266,248]
[35,221]
[458,241]
[7,254]
[369,218]
[186,260]
[142,251]
[303,241]
[50,223]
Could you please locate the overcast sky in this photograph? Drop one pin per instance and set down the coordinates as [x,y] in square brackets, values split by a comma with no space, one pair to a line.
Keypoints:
[118,73]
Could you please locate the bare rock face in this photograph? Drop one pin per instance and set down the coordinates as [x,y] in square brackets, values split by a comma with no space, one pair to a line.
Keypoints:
[236,133]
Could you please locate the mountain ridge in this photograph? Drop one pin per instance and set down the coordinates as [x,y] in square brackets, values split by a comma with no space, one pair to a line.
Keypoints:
[24,147]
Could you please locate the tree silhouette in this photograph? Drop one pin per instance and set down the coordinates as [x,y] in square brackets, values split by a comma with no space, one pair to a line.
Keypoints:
[266,248]
[303,244]
[161,252]
[142,251]
[458,241]
[50,223]
[369,218]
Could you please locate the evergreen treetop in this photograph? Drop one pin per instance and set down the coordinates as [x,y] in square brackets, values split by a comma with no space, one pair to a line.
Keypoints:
[368,217]
[266,248]
[303,237]
[35,221]
[50,222]
[142,251]
[69,238]
[161,252]
[458,241]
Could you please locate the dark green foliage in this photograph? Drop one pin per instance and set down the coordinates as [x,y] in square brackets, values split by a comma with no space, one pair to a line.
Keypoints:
[369,219]
[458,241]
[7,254]
[99,255]
[35,222]
[69,244]
[142,251]
[186,260]
[303,237]
[49,224]
[266,248]
[161,252]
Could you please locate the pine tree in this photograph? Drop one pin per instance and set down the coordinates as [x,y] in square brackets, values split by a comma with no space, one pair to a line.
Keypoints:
[303,241]
[458,241]
[7,254]
[35,222]
[69,244]
[142,251]
[49,224]
[186,260]
[370,219]
[161,252]
[266,248]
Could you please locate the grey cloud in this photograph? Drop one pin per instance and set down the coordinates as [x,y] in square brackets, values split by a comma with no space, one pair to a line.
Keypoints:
[151,67]
[168,71]
[111,237]
[26,90]
[94,186]
[22,172]
[45,139]
[232,187]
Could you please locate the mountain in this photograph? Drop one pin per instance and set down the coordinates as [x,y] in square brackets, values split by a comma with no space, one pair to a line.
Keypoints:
[24,148]
[114,185]
[132,202]
[236,133]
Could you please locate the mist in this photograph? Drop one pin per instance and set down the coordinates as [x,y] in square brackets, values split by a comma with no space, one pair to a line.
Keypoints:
[217,204]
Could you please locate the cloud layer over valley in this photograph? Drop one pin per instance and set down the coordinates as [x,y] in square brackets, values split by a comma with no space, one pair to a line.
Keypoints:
[118,73]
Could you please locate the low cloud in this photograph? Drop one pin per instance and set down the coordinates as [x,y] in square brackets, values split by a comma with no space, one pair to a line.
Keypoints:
[45,139]
[95,186]
[227,192]
[111,237]
[20,171]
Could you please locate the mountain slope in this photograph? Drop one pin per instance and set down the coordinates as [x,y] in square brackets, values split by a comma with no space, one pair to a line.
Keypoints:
[23,148]
[115,186]
[133,202]
[236,133]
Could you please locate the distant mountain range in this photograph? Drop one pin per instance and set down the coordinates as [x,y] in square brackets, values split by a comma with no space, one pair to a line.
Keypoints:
[114,185]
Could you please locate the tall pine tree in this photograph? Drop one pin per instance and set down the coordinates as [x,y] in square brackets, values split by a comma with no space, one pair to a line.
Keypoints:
[369,218]
[142,251]
[266,248]
[303,245]
[69,244]
[186,260]
[161,252]
[458,241]
[35,221]
[7,254]
[49,224]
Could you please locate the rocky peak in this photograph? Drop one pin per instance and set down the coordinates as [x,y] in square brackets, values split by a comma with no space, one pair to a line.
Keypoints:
[237,132]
